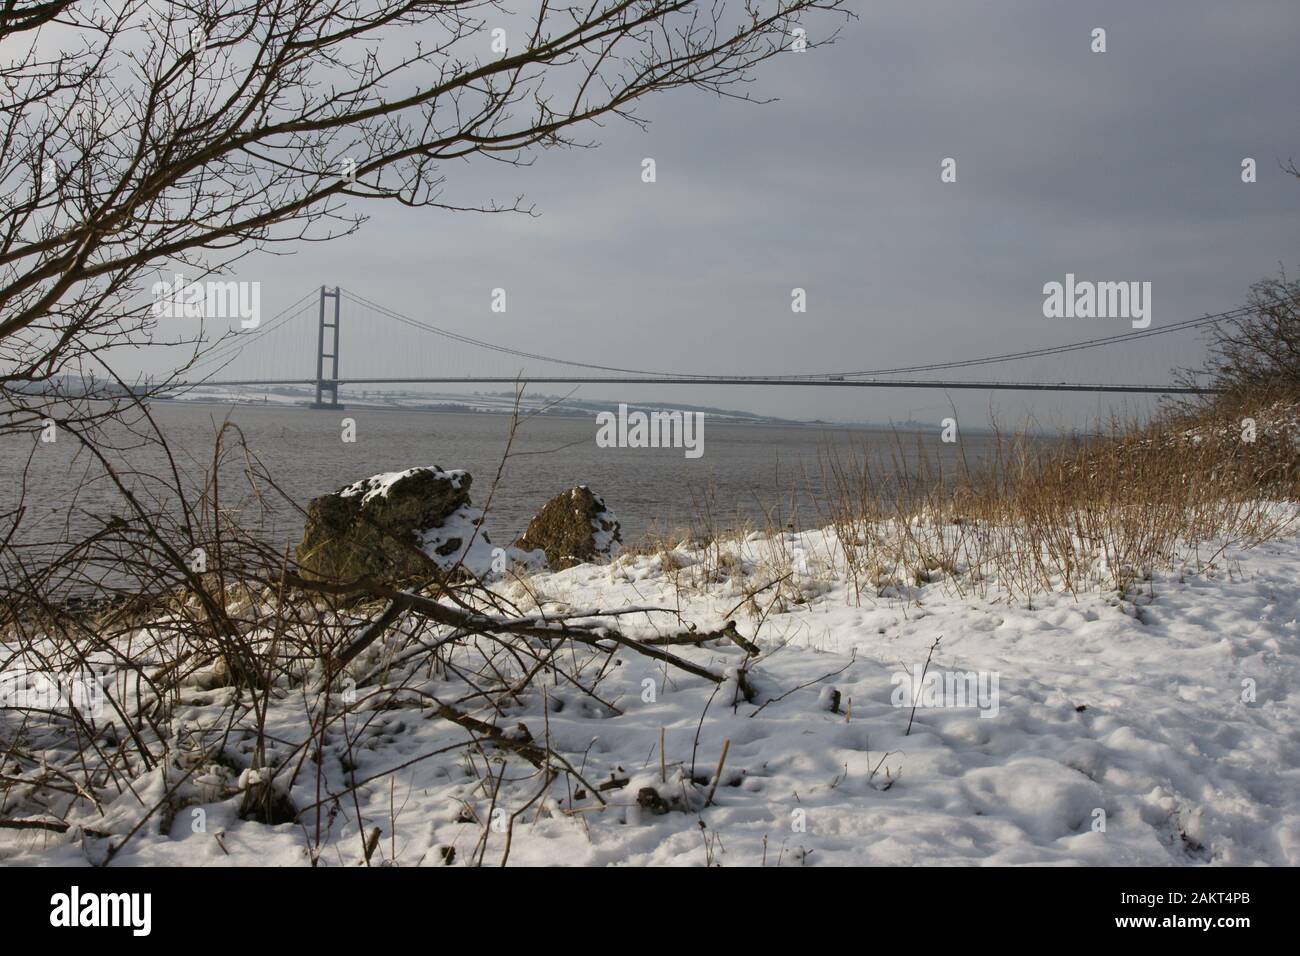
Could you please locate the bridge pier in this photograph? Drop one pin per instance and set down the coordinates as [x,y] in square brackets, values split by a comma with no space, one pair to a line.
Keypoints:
[331,384]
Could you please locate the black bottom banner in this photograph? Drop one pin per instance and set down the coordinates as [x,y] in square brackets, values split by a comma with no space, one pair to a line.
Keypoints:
[344,906]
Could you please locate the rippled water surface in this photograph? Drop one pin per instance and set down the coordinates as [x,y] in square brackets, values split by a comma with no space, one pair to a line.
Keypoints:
[752,472]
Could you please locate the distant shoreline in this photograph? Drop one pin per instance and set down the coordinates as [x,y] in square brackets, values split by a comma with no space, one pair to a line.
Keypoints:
[450,408]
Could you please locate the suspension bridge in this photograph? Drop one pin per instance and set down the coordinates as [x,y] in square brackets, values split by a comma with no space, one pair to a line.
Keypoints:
[256,357]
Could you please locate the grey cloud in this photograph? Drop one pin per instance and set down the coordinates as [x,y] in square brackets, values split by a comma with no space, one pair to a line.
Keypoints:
[1121,165]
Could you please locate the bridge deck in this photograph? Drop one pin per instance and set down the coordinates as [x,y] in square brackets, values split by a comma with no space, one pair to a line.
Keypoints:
[819,382]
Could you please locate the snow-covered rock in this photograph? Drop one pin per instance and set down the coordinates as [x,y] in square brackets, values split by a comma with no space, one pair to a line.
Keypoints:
[394,527]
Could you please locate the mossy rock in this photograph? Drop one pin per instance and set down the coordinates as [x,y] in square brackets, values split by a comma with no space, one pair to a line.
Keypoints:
[380,526]
[573,528]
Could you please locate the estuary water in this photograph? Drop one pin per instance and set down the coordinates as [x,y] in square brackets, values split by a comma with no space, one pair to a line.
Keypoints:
[747,472]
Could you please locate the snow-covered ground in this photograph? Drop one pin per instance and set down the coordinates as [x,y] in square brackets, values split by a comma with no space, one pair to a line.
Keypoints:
[1103,729]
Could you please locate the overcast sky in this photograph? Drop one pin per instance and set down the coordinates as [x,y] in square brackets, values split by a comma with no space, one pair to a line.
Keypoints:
[1123,165]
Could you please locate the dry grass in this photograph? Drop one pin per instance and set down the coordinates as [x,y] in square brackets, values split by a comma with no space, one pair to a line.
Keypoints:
[1101,511]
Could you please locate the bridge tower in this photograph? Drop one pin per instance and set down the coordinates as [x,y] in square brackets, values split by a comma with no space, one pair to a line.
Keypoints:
[330,384]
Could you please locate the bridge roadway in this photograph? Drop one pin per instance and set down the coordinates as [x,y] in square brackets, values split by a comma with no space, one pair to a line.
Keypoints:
[822,382]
